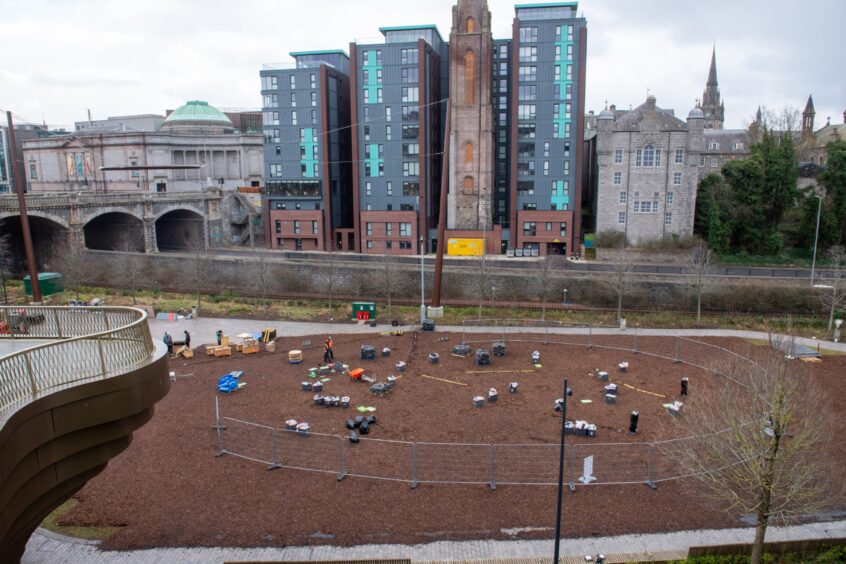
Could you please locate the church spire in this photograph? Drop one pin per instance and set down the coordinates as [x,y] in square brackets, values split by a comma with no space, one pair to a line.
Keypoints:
[712,73]
[712,107]
[808,117]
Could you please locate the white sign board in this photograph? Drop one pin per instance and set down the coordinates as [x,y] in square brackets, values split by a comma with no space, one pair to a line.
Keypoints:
[587,473]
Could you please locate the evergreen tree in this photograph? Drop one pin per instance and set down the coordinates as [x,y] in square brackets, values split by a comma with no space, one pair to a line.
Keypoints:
[834,182]
[746,179]
[777,156]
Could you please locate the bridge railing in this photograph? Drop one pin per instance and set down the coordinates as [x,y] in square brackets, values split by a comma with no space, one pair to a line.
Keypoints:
[90,342]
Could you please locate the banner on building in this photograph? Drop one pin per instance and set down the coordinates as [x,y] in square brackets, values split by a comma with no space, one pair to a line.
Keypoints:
[89,165]
[465,247]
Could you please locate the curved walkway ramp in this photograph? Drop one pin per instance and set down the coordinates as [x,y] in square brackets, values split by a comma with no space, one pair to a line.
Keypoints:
[69,402]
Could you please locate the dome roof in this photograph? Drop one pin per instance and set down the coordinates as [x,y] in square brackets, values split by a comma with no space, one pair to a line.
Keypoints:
[197,112]
[606,114]
[696,113]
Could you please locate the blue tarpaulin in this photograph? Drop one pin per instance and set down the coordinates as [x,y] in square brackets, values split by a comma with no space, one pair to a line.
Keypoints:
[230,382]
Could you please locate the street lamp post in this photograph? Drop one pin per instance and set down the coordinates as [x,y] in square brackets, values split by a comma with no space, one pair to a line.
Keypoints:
[422,286]
[560,474]
[816,239]
[565,296]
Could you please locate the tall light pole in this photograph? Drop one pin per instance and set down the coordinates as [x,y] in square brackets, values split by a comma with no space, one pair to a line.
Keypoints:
[816,239]
[422,286]
[560,475]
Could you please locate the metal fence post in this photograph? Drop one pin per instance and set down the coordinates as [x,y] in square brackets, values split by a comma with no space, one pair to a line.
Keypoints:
[341,471]
[634,341]
[274,464]
[590,337]
[676,358]
[572,468]
[221,448]
[102,355]
[546,335]
[649,478]
[58,325]
[413,465]
[493,469]
[32,385]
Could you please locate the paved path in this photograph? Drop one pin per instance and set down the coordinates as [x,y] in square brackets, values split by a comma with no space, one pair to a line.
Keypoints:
[45,547]
[203,330]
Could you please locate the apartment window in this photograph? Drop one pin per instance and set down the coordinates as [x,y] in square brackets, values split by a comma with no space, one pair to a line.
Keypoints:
[623,197]
[313,117]
[558,52]
[387,113]
[293,100]
[713,162]
[408,75]
[388,132]
[713,145]
[669,198]
[369,227]
[296,226]
[556,72]
[271,118]
[314,227]
[270,100]
[618,156]
[405,229]
[389,229]
[528,73]
[546,148]
[528,35]
[569,72]
[410,94]
[410,113]
[278,226]
[621,217]
[530,228]
[526,150]
[367,133]
[313,80]
[701,160]
[679,156]
[369,244]
[645,156]
[314,98]
[379,98]
[526,168]
[569,33]
[530,206]
[293,82]
[389,189]
[527,92]
[677,177]
[503,51]
[410,131]
[410,169]
[408,56]
[378,76]
[366,96]
[563,229]
[410,149]
[293,117]
[275,170]
[549,226]
[271,136]
[618,178]
[368,188]
[526,111]
[737,145]
[668,218]
[527,186]
[528,54]
[269,83]
[366,113]
[406,207]
[546,168]
[526,131]
[569,52]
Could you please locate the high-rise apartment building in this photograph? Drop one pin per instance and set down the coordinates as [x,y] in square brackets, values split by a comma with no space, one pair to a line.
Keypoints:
[306,116]
[397,94]
[516,131]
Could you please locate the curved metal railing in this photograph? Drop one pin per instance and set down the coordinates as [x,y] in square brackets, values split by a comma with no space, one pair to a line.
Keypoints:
[89,342]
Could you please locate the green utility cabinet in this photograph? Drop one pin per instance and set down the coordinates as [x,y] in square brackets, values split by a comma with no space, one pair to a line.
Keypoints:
[49,282]
[364,310]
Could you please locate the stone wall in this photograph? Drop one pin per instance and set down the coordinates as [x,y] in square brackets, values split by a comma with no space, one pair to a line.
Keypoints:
[349,281]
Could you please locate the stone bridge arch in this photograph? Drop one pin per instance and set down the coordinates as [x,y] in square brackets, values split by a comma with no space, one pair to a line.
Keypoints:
[180,228]
[116,230]
[49,234]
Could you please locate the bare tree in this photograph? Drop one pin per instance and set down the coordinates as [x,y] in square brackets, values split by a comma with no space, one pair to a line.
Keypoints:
[834,291]
[262,279]
[200,269]
[545,281]
[763,443]
[700,263]
[388,279]
[71,260]
[618,280]
[5,261]
[330,278]
[128,244]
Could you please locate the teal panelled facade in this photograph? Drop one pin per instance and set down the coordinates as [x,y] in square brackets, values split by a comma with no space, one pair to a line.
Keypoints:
[308,152]
[563,80]
[374,163]
[560,199]
[373,72]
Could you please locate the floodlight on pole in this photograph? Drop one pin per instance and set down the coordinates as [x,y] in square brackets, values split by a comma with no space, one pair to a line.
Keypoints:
[422,285]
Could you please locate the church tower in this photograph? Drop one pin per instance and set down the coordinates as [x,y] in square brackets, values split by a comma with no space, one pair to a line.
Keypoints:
[470,198]
[808,118]
[711,104]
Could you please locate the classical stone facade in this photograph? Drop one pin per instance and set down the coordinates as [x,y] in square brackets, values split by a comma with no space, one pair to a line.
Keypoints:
[471,130]
[647,163]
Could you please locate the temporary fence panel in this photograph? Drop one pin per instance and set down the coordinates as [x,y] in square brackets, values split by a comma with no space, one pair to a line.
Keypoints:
[453,463]
[613,463]
[526,464]
[312,451]
[375,458]
[247,440]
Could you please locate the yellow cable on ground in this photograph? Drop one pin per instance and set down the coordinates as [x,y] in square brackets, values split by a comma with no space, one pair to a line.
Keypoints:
[495,371]
[443,380]
[643,391]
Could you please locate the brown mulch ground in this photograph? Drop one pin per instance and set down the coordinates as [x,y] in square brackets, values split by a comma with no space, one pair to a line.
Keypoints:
[169,489]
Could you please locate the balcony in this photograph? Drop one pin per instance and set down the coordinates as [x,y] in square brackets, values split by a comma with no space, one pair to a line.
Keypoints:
[75,383]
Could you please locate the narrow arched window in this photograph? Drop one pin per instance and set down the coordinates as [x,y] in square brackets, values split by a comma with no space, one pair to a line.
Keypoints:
[468,185]
[649,156]
[469,77]
[468,155]
[471,25]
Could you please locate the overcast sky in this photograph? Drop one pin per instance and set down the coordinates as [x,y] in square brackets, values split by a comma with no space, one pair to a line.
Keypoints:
[114,57]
